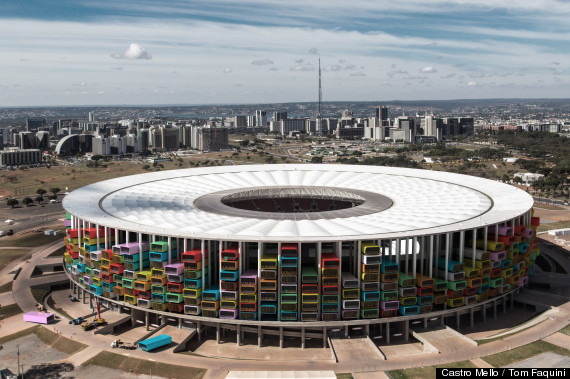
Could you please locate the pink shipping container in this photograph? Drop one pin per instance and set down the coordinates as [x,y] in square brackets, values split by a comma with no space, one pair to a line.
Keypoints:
[39,317]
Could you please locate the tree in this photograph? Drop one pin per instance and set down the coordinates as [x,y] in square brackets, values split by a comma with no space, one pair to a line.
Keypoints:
[145,167]
[54,190]
[317,159]
[27,201]
[12,202]
[39,199]
[41,191]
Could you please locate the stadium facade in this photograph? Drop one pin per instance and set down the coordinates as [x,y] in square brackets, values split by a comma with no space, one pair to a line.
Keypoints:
[300,250]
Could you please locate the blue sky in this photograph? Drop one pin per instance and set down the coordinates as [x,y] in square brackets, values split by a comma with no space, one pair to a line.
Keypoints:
[99,52]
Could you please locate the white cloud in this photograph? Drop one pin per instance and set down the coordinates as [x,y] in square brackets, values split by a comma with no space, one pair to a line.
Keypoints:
[261,62]
[448,76]
[303,67]
[428,70]
[332,67]
[134,51]
[273,68]
[314,51]
[358,73]
[396,72]
[471,83]
[226,70]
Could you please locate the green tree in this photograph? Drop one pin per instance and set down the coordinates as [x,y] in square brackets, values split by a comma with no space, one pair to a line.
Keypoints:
[27,201]
[12,202]
[317,159]
[41,191]
[54,190]
[39,199]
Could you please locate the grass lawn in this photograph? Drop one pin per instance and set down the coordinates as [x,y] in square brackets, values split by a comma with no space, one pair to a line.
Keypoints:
[7,287]
[8,255]
[10,310]
[344,375]
[142,366]
[51,303]
[38,293]
[20,334]
[566,330]
[33,239]
[59,342]
[427,372]
[58,253]
[48,337]
[524,352]
[553,225]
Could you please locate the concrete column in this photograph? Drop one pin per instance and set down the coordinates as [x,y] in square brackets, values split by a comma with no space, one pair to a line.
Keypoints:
[425,323]
[367,329]
[387,332]
[430,271]
[324,337]
[495,308]
[447,251]
[442,320]
[84,296]
[179,323]
[302,338]
[145,319]
[461,245]
[281,337]
[169,250]
[484,312]
[458,320]
[238,334]
[199,330]
[346,331]
[471,316]
[162,320]
[504,304]
[259,335]
[218,333]
[407,330]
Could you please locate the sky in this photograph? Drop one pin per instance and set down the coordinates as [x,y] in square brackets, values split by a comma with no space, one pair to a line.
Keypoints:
[142,52]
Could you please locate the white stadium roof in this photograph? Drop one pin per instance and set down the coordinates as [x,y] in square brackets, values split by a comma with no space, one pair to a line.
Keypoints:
[423,202]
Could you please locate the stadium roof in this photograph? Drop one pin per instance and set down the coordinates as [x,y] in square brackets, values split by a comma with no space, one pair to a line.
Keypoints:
[423,202]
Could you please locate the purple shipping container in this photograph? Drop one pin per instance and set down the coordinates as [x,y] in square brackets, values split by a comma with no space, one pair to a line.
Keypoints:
[174,269]
[132,248]
[230,314]
[39,317]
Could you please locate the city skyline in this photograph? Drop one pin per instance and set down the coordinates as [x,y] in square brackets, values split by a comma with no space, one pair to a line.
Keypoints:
[146,52]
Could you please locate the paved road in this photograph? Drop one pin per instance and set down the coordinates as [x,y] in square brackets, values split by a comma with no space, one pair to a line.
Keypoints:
[21,286]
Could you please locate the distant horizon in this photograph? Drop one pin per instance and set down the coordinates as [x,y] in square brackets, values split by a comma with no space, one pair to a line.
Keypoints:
[379,102]
[254,52]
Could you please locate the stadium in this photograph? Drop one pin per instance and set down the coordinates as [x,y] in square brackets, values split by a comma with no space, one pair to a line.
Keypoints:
[300,250]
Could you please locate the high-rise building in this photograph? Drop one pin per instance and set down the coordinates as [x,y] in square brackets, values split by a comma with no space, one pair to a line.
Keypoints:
[260,118]
[278,116]
[382,115]
[33,123]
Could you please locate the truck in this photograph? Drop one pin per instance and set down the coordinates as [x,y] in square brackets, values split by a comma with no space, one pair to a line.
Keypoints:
[94,324]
